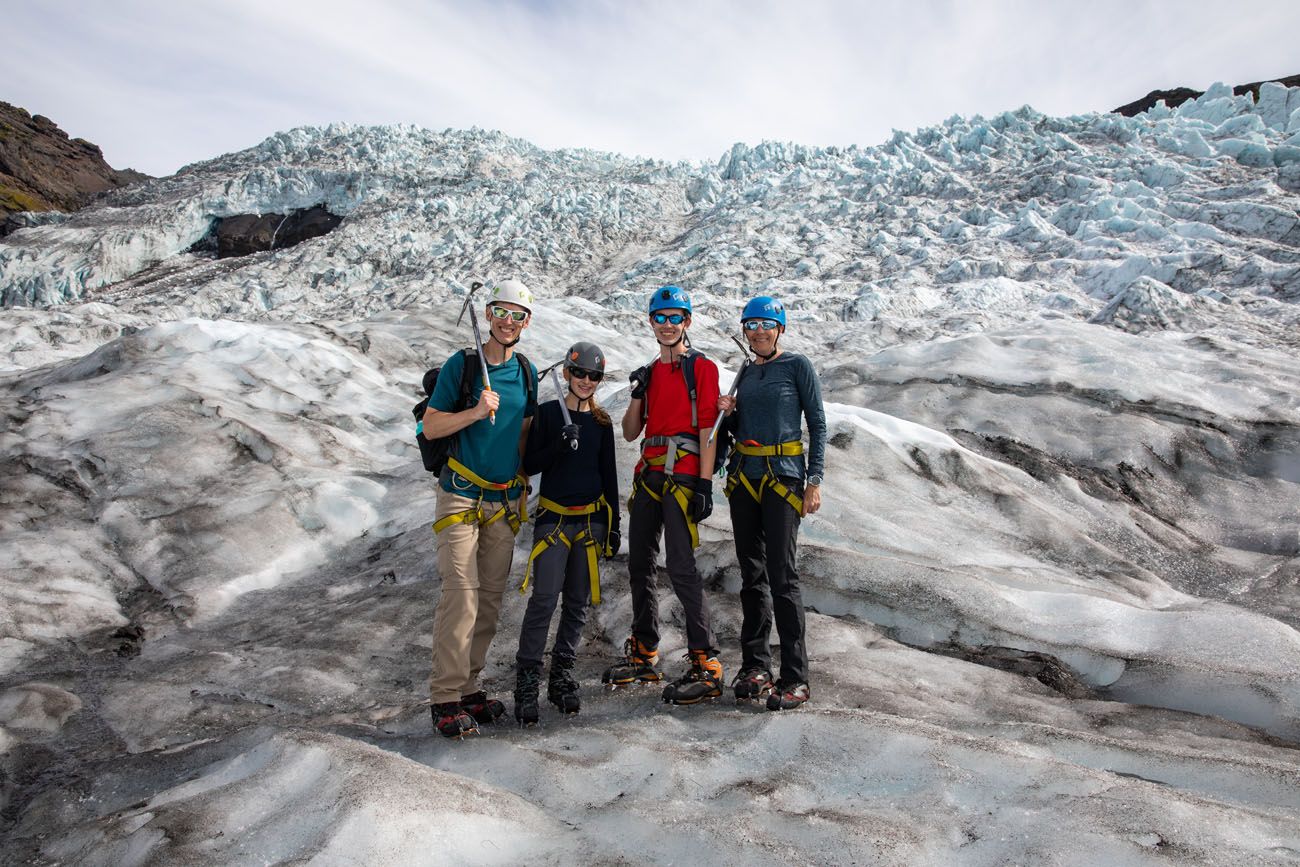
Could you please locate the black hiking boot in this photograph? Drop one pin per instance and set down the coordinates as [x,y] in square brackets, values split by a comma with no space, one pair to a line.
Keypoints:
[450,720]
[527,681]
[701,681]
[787,696]
[639,665]
[562,688]
[752,683]
[482,708]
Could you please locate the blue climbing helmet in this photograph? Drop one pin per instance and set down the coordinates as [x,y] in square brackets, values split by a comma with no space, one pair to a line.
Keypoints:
[764,307]
[670,298]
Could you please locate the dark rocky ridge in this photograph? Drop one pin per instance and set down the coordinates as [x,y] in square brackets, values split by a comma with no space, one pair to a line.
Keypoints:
[42,169]
[244,234]
[1179,95]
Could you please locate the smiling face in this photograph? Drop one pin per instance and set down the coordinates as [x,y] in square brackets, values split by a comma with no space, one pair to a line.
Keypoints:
[504,329]
[763,340]
[666,332]
[582,387]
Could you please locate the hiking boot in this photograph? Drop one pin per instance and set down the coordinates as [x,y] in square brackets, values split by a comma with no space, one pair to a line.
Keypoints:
[639,664]
[562,688]
[751,683]
[702,680]
[527,681]
[482,708]
[787,696]
[451,720]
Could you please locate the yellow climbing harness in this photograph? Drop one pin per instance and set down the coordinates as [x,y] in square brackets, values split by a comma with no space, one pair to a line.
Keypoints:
[583,537]
[678,447]
[475,514]
[769,481]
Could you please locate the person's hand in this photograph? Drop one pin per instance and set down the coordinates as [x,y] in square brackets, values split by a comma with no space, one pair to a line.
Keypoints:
[702,500]
[726,403]
[487,404]
[569,436]
[812,500]
[615,542]
[640,378]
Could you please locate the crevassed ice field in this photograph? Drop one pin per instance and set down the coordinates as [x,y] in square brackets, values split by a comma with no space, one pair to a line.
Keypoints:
[1053,592]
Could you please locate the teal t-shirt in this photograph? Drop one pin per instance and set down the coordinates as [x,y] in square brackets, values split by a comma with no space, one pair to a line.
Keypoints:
[489,450]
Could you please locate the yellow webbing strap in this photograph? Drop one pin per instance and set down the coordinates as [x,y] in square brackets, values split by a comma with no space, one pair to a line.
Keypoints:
[583,536]
[475,514]
[678,493]
[769,480]
[753,450]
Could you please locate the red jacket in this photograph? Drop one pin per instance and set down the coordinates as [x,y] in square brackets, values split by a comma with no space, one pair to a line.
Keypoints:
[668,407]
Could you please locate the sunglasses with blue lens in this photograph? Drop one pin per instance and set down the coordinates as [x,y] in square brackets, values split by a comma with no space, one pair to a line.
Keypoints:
[503,312]
[765,324]
[674,318]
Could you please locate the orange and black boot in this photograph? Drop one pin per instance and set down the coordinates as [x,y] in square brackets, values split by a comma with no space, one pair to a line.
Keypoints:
[701,681]
[640,665]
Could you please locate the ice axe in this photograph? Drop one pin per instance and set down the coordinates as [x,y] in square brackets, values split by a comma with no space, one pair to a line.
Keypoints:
[559,393]
[474,286]
[735,386]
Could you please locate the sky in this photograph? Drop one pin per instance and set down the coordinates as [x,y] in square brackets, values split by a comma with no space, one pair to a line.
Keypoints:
[158,85]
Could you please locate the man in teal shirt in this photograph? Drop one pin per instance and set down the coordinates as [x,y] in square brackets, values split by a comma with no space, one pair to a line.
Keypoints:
[479,508]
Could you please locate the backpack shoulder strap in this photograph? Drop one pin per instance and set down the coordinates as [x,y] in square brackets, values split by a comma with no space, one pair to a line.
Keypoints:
[469,370]
[688,370]
[530,384]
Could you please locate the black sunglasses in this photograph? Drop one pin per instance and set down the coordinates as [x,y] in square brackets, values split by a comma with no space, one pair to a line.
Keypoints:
[583,373]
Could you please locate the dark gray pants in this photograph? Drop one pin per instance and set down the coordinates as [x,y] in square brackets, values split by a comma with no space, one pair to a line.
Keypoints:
[559,571]
[648,519]
[766,536]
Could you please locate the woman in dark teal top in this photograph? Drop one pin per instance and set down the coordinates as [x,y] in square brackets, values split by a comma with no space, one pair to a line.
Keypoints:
[771,487]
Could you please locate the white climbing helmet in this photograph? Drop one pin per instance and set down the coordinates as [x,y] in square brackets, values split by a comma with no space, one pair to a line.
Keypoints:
[512,292]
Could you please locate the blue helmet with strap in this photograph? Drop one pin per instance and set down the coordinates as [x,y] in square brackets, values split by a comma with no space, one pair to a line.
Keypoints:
[670,298]
[764,307]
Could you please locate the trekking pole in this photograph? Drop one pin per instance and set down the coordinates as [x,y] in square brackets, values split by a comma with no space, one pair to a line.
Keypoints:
[731,392]
[474,286]
[564,407]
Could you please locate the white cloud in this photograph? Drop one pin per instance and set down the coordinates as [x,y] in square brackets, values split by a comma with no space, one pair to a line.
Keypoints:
[158,85]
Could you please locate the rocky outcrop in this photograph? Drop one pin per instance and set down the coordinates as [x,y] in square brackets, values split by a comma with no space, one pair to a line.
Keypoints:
[42,169]
[1179,95]
[255,233]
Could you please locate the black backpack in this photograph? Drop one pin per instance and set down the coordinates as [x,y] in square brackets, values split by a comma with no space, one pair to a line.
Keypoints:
[726,438]
[434,452]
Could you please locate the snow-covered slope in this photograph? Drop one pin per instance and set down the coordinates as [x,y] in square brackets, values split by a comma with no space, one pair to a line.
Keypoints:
[1059,358]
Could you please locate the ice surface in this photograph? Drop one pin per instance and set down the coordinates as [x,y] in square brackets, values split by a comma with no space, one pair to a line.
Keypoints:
[1058,356]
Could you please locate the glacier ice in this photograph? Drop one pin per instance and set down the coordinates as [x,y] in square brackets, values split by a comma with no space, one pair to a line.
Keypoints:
[1059,362]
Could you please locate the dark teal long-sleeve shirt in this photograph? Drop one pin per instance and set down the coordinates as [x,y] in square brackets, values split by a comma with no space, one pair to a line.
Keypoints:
[771,404]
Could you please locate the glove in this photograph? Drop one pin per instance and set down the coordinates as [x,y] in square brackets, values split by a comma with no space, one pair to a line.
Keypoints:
[569,436]
[639,378]
[615,542]
[702,500]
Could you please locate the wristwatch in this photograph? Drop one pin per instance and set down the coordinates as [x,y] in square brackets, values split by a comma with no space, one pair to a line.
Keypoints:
[815,481]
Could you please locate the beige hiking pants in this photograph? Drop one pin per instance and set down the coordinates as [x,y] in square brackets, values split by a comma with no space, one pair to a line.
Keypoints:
[474,564]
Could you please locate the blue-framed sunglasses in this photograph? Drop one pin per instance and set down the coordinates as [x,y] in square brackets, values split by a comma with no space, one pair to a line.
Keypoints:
[765,324]
[674,318]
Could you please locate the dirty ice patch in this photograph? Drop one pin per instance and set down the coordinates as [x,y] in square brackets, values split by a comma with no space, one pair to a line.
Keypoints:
[304,796]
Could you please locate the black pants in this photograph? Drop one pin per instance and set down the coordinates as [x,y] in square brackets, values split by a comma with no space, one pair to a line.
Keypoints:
[766,537]
[558,571]
[648,518]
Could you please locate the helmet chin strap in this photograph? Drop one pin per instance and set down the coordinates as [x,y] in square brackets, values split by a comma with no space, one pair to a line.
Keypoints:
[775,350]
[579,397]
[492,336]
[674,343]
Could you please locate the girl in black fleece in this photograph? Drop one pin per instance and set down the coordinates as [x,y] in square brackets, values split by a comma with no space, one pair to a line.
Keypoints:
[577,520]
